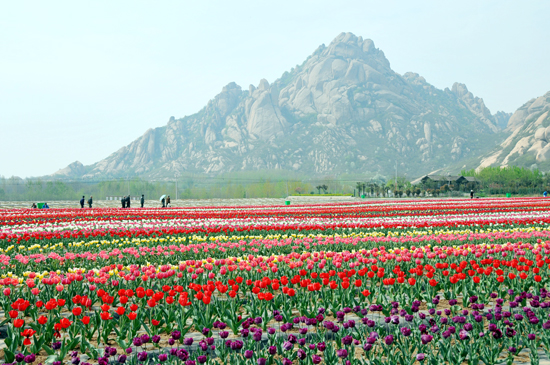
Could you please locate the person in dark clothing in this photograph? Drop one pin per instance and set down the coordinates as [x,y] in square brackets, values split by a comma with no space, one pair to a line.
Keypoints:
[471,194]
[142,200]
[33,206]
[128,201]
[163,201]
[45,206]
[123,202]
[168,201]
[90,201]
[82,202]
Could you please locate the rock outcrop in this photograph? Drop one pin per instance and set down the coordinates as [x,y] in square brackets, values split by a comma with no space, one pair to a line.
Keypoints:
[528,143]
[343,110]
[75,169]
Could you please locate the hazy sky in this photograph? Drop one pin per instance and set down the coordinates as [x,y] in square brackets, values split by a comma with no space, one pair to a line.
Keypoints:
[79,80]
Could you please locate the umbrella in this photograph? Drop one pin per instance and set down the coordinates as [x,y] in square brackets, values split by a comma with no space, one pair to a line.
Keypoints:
[162,197]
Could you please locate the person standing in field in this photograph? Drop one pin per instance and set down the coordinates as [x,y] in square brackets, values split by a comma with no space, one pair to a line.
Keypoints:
[142,200]
[82,202]
[128,201]
[545,194]
[123,202]
[90,201]
[471,194]
[168,201]
[163,201]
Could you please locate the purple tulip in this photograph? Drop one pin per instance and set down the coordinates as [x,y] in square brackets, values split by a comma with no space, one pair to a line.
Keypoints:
[163,357]
[342,353]
[287,346]
[426,339]
[463,335]
[262,361]
[202,359]
[321,346]
[142,356]
[388,340]
[188,341]
[420,356]
[183,354]
[248,354]
[257,336]
[176,335]
[316,359]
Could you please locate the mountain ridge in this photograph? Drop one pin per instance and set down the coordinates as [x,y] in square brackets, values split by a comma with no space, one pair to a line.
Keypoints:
[343,110]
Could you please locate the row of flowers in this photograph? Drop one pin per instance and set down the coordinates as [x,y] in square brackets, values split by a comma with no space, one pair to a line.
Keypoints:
[365,284]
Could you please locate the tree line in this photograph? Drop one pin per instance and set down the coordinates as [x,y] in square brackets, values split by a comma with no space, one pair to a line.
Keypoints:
[491,180]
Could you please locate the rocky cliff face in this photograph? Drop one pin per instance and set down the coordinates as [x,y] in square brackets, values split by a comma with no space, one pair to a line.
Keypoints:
[343,110]
[528,143]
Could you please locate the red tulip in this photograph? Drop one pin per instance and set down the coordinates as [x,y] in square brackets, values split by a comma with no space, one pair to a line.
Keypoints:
[42,320]
[18,323]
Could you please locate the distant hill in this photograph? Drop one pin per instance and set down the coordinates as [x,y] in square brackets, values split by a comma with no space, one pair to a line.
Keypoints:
[344,110]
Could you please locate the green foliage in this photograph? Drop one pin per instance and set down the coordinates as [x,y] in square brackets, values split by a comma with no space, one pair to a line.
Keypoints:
[512,179]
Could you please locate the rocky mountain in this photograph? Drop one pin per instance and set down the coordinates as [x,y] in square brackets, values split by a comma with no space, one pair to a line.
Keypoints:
[344,110]
[76,169]
[528,143]
[502,119]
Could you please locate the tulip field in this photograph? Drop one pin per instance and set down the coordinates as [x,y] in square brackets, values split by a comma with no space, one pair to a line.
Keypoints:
[445,281]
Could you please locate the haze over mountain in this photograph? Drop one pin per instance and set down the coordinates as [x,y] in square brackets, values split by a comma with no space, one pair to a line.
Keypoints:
[344,110]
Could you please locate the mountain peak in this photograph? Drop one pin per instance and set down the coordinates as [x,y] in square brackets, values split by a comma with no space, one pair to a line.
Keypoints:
[343,110]
[459,89]
[349,46]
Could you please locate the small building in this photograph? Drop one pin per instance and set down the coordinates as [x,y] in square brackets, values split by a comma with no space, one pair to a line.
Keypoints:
[439,180]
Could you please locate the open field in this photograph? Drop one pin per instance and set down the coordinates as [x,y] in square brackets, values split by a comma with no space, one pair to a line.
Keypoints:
[350,282]
[186,202]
